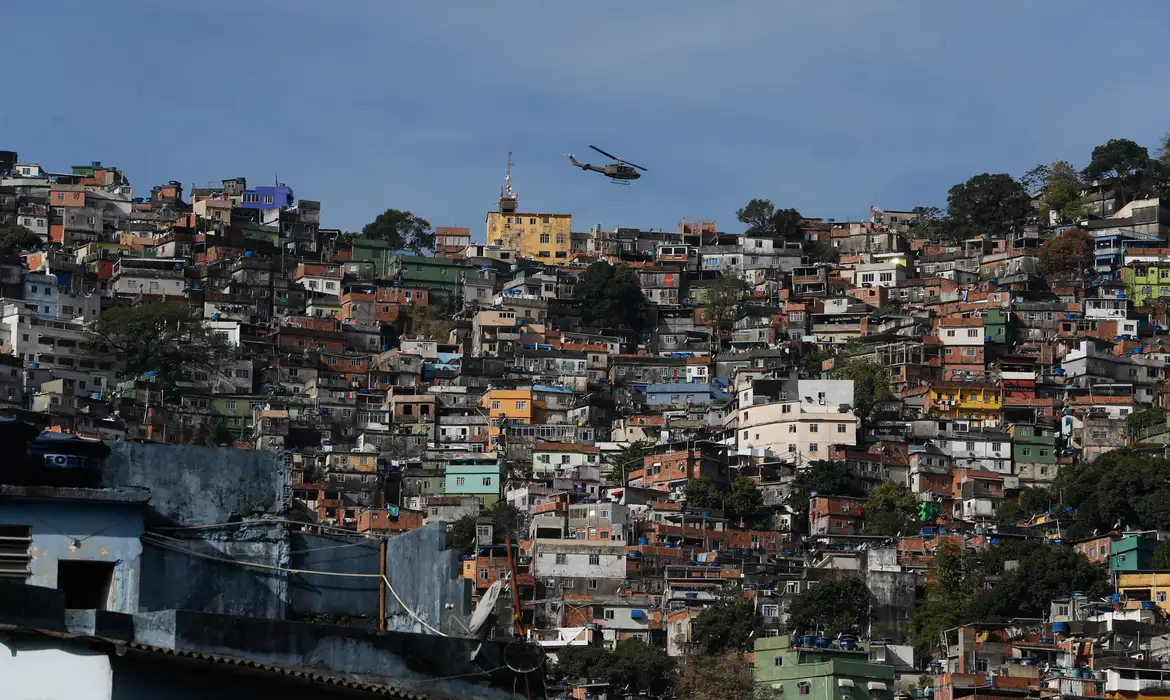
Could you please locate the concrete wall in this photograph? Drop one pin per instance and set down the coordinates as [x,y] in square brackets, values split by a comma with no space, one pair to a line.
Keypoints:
[44,671]
[426,576]
[352,601]
[199,485]
[173,580]
[65,530]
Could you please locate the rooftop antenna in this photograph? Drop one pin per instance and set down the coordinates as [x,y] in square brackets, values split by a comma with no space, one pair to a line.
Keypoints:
[507,195]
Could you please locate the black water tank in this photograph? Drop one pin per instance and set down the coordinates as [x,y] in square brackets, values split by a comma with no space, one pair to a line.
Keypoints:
[15,436]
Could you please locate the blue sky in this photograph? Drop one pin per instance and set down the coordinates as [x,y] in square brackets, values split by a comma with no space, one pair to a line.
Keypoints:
[829,107]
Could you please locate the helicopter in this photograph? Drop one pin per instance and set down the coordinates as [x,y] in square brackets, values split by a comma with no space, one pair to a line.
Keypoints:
[620,172]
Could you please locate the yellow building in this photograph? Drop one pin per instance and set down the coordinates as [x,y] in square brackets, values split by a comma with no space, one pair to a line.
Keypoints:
[543,237]
[966,400]
[1146,586]
[507,405]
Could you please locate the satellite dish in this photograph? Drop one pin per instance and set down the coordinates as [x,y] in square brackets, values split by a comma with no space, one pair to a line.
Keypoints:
[485,606]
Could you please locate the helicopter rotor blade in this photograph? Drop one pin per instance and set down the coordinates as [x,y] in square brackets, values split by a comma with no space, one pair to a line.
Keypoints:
[633,164]
[607,155]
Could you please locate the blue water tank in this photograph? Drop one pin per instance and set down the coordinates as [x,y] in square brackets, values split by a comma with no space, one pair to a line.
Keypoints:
[808,640]
[823,642]
[643,541]
[249,254]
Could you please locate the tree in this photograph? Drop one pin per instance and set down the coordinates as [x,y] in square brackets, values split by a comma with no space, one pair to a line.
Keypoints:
[507,521]
[1147,418]
[788,223]
[633,666]
[836,605]
[890,510]
[988,204]
[611,297]
[810,362]
[401,230]
[952,579]
[726,626]
[166,337]
[1162,556]
[707,677]
[722,304]
[1059,187]
[1030,502]
[1123,163]
[871,385]
[630,458]
[700,492]
[823,477]
[16,238]
[1118,490]
[1067,255]
[929,224]
[758,216]
[1042,572]
[745,503]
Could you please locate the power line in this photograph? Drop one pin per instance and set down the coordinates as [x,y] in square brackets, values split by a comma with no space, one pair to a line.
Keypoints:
[158,541]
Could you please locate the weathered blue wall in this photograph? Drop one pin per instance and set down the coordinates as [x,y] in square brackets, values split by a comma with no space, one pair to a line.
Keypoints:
[426,576]
[339,599]
[78,531]
[199,485]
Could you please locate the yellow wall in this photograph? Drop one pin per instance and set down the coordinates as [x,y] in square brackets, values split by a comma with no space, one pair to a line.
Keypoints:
[1152,582]
[523,232]
[502,403]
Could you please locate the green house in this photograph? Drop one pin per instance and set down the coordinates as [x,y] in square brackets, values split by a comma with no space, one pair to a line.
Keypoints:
[997,325]
[1132,553]
[796,671]
[443,275]
[1145,281]
[234,412]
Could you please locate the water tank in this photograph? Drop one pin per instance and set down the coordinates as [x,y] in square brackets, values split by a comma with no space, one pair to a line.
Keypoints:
[60,459]
[823,642]
[643,541]
[808,640]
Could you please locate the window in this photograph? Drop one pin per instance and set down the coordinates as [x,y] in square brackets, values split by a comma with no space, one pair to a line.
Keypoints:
[544,219]
[562,559]
[1160,596]
[770,610]
[483,574]
[86,584]
[487,481]
[495,405]
[792,427]
[592,584]
[996,447]
[231,406]
[1027,451]
[594,560]
[840,427]
[950,334]
[812,447]
[777,660]
[609,614]
[972,332]
[545,238]
[458,481]
[786,408]
[15,554]
[1043,453]
[521,405]
[804,687]
[813,428]
[887,277]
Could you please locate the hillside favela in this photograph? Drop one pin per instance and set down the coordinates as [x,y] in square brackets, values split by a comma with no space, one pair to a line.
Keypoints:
[917,454]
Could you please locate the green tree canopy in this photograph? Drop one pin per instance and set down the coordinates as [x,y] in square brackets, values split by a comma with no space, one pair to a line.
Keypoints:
[630,458]
[1067,255]
[871,385]
[824,477]
[507,521]
[957,585]
[401,230]
[167,337]
[745,503]
[788,223]
[722,304]
[1118,490]
[1122,162]
[726,626]
[632,667]
[890,510]
[1145,419]
[988,204]
[700,492]
[836,605]
[611,297]
[15,238]
[758,215]
[720,677]
[1059,188]
[1162,556]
